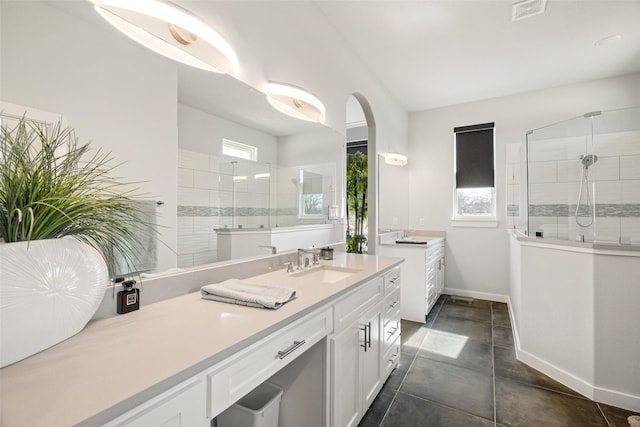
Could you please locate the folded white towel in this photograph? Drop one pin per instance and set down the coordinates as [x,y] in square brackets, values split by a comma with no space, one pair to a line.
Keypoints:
[236,291]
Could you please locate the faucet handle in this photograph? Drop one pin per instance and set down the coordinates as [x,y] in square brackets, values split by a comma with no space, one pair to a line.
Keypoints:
[316,258]
[289,265]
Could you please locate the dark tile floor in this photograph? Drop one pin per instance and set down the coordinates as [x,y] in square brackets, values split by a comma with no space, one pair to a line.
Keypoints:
[459,369]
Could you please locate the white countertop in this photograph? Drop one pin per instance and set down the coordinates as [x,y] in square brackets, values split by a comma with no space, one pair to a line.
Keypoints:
[115,364]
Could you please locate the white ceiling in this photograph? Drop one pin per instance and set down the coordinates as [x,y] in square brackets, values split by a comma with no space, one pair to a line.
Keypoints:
[435,53]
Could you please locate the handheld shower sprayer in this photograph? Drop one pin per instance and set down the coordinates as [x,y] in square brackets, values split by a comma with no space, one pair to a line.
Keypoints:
[587,160]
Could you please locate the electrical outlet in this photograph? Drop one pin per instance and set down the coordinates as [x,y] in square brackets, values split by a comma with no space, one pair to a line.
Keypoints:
[421,221]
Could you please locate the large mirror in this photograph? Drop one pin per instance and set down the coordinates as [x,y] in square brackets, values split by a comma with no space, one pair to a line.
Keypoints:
[169,123]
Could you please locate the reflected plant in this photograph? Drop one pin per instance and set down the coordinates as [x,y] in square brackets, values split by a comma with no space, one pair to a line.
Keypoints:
[51,187]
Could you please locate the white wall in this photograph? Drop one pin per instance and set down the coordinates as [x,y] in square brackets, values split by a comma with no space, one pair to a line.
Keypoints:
[477,259]
[203,132]
[121,98]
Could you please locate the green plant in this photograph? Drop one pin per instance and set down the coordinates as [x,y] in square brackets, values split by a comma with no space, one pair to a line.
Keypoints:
[357,202]
[51,187]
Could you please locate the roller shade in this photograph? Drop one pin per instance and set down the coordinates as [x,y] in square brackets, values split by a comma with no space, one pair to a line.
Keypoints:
[474,156]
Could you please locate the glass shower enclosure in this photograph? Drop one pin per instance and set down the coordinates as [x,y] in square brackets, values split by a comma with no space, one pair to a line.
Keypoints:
[583,178]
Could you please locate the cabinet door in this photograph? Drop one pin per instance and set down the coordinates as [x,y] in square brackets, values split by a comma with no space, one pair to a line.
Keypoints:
[345,369]
[372,357]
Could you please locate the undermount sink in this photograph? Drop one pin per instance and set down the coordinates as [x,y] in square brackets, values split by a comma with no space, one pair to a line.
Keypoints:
[327,273]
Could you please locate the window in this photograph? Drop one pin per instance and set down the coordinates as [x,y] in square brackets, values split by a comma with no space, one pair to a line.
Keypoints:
[474,197]
[311,195]
[240,150]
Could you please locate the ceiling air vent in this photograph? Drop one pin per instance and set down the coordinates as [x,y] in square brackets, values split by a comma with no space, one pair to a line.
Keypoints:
[527,8]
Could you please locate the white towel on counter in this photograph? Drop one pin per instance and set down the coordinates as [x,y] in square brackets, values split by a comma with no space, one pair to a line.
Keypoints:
[239,292]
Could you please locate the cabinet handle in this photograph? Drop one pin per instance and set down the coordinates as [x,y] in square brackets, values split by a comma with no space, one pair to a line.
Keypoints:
[393,357]
[392,331]
[394,280]
[369,334]
[364,328]
[296,345]
[393,304]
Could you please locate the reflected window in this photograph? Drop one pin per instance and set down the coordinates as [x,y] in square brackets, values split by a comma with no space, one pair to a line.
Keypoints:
[239,150]
[311,197]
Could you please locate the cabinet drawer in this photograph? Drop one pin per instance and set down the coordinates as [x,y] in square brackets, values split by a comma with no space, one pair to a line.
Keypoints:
[391,332]
[391,359]
[241,373]
[347,310]
[181,406]
[391,305]
[391,281]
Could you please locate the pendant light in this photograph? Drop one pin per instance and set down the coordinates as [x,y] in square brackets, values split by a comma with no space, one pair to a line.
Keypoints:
[295,102]
[171,31]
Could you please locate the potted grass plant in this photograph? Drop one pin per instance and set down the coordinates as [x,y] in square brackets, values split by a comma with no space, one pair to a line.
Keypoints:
[66,227]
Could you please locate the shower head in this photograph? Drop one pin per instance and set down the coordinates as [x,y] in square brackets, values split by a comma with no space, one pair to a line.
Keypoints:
[588,160]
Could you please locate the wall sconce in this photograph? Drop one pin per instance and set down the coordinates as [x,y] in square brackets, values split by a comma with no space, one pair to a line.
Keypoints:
[171,31]
[295,102]
[394,159]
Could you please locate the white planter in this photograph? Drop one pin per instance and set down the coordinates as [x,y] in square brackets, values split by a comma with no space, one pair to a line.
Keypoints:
[49,290]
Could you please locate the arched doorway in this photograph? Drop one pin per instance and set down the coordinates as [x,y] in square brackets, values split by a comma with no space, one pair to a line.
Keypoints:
[361,138]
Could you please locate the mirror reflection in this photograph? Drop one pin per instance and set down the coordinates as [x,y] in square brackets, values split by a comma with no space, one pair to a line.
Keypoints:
[167,122]
[249,178]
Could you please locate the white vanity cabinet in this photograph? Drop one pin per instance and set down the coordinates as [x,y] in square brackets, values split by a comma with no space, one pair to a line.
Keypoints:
[422,276]
[365,347]
[434,273]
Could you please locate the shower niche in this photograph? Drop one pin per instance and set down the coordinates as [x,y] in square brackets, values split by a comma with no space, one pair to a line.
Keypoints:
[582,179]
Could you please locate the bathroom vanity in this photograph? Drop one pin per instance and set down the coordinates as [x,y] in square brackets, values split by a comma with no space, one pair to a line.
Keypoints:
[184,360]
[422,271]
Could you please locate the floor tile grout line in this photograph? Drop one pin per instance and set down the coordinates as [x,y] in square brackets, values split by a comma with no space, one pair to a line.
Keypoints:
[435,402]
[606,420]
[493,369]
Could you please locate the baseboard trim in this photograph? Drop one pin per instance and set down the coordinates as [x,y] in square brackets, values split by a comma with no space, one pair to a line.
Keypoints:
[598,394]
[475,294]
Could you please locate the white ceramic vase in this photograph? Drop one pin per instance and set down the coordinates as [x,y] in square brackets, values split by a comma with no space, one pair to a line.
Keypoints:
[49,290]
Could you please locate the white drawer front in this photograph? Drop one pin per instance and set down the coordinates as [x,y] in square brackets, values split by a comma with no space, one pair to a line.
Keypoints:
[390,306]
[347,310]
[391,359]
[391,281]
[391,331]
[234,378]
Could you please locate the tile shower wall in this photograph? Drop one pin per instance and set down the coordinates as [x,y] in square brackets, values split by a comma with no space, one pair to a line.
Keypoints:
[206,201]
[555,173]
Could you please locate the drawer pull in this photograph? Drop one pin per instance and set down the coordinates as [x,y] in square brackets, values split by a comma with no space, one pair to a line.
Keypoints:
[392,330]
[393,357]
[296,345]
[393,304]
[394,280]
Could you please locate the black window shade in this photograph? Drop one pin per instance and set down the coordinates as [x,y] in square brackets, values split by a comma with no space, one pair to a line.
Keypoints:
[474,156]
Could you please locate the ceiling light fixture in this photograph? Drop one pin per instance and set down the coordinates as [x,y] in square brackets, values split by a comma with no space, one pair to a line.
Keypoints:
[171,31]
[295,102]
[394,159]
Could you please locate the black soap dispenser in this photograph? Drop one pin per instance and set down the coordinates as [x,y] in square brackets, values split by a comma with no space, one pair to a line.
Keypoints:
[128,297]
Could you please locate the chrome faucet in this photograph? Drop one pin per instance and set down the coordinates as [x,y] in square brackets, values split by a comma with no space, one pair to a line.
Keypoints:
[303,261]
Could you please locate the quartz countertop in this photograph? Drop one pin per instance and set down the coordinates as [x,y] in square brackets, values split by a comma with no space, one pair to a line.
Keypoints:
[117,363]
[411,239]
